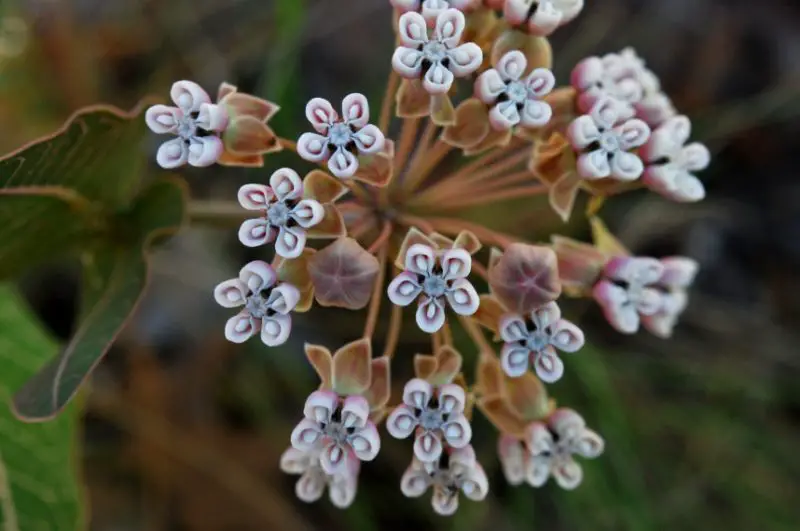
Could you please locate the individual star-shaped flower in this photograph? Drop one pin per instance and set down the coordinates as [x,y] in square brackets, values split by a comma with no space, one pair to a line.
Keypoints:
[285,217]
[552,445]
[435,413]
[266,302]
[541,17]
[339,141]
[514,100]
[337,426]
[534,341]
[439,58]
[611,76]
[605,145]
[313,479]
[456,470]
[671,162]
[628,290]
[678,275]
[436,277]
[195,121]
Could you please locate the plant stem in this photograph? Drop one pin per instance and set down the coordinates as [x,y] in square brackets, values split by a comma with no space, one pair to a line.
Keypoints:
[393,335]
[388,99]
[475,333]
[221,214]
[453,226]
[377,293]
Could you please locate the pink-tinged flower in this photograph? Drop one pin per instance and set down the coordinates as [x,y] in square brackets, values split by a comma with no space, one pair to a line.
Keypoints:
[430,9]
[654,107]
[671,162]
[337,140]
[266,302]
[679,273]
[514,100]
[605,143]
[285,214]
[436,414]
[611,77]
[337,426]
[541,17]
[514,459]
[628,290]
[313,479]
[551,447]
[534,341]
[436,277]
[195,121]
[439,58]
[457,470]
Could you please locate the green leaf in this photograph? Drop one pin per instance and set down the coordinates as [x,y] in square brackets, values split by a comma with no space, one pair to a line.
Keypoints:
[97,154]
[38,478]
[115,276]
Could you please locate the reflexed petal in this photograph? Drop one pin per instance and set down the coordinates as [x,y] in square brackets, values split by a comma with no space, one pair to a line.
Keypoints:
[355,412]
[633,133]
[255,232]
[428,447]
[258,276]
[540,82]
[290,242]
[275,330]
[430,316]
[567,423]
[431,9]
[415,481]
[513,328]
[407,62]
[516,11]
[512,65]
[587,74]
[404,289]
[369,140]
[294,461]
[457,431]
[343,164]
[504,116]
[566,336]
[366,443]
[311,485]
[320,406]
[567,473]
[188,95]
[539,439]
[463,298]
[475,485]
[412,29]
[679,271]
[626,166]
[456,263]
[605,113]
[333,459]
[342,491]
[570,9]
[162,119]
[695,157]
[355,110]
[595,165]
[231,293]
[306,435]
[212,117]
[401,422]
[204,151]
[172,154]
[240,328]
[444,502]
[489,86]
[536,113]
[588,444]
[452,398]
[545,316]
[286,184]
[465,59]
[420,259]
[417,393]
[313,147]
[514,359]
[450,25]
[637,269]
[617,309]
[321,114]
[308,213]
[537,470]
[649,301]
[549,367]
[512,458]
[255,196]
[582,132]
[544,20]
[438,79]
[283,298]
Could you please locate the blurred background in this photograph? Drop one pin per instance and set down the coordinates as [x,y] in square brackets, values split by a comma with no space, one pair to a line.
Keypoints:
[183,431]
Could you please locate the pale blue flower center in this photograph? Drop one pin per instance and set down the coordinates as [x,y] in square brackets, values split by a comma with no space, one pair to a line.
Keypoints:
[257,305]
[536,341]
[340,135]
[278,214]
[517,92]
[609,141]
[187,128]
[434,286]
[430,419]
[434,51]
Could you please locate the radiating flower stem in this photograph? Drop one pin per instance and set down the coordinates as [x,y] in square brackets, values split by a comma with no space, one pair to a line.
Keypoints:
[388,100]
[383,238]
[220,214]
[393,334]
[482,197]
[453,226]
[447,334]
[377,293]
[408,134]
[476,334]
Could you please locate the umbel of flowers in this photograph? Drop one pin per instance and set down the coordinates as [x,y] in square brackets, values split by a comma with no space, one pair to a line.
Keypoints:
[384,223]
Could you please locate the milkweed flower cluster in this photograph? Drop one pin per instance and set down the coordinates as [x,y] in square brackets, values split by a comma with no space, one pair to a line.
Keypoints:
[386,204]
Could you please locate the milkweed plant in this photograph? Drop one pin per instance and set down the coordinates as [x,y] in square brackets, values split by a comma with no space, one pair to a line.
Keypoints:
[479,119]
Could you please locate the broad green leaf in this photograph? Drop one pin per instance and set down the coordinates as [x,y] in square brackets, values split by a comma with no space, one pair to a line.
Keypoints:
[98,154]
[39,486]
[115,276]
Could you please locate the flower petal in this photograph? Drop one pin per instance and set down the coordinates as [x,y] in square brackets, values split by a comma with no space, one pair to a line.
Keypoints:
[450,25]
[366,443]
[515,359]
[162,119]
[513,328]
[407,62]
[404,289]
[428,447]
[443,501]
[456,263]
[489,86]
[306,435]
[536,114]
[595,164]
[333,458]
[240,327]
[633,133]
[567,423]
[430,315]
[539,439]
[417,393]
[313,147]
[452,399]
[549,367]
[544,20]
[547,315]
[369,140]
[275,330]
[231,293]
[512,459]
[589,444]
[504,116]
[308,213]
[415,481]
[188,95]
[567,473]
[566,336]
[465,59]
[401,422]
[343,164]
[412,29]
[587,74]
[258,276]
[462,297]
[475,484]
[255,196]
[172,154]
[355,110]
[582,131]
[320,406]
[283,298]
[537,470]
[294,461]
[355,412]
[311,485]
[212,117]
[321,114]
[342,491]
[512,65]
[286,184]
[618,311]
[605,113]
[457,431]
[204,151]
[438,79]
[626,166]
[290,242]
[256,232]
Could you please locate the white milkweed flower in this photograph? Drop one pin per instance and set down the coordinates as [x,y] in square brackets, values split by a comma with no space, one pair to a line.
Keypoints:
[436,414]
[437,58]
[514,100]
[541,17]
[195,121]
[514,459]
[456,471]
[430,9]
[336,427]
[605,143]
[671,162]
[437,277]
[551,447]
[612,77]
[679,273]
[286,215]
[313,479]
[266,302]
[339,140]
[628,291]
[533,341]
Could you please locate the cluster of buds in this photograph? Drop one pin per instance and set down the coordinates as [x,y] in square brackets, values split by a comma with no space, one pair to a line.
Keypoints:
[382,202]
